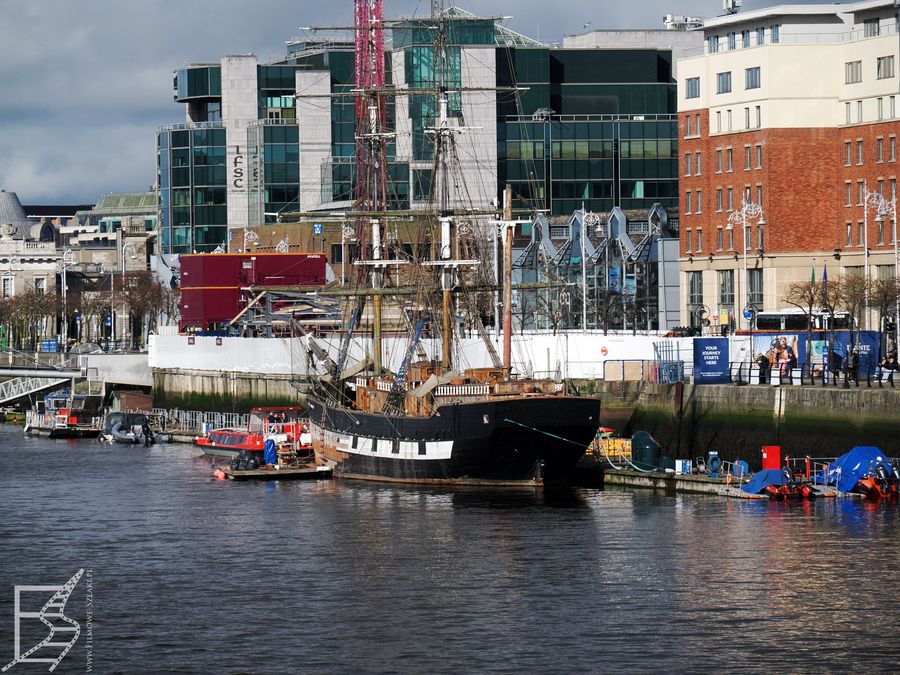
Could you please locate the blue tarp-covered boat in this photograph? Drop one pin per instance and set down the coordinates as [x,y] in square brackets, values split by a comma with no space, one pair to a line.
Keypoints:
[847,470]
[762,479]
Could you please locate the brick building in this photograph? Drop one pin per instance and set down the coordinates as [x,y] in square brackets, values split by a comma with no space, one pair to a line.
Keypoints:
[793,109]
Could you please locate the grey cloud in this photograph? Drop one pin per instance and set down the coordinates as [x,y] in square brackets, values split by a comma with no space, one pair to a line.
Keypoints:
[85,84]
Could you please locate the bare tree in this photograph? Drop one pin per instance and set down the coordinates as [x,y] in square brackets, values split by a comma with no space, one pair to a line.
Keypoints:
[145,296]
[805,295]
[855,292]
[883,295]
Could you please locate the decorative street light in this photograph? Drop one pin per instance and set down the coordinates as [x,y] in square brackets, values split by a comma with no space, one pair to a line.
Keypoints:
[884,208]
[752,211]
[588,219]
[68,258]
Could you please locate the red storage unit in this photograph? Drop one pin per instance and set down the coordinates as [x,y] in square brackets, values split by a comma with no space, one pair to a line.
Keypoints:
[771,457]
[202,306]
[211,282]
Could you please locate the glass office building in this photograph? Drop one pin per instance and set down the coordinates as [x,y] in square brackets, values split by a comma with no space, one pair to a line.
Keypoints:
[592,128]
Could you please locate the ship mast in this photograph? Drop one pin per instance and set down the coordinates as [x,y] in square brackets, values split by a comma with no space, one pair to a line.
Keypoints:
[371,149]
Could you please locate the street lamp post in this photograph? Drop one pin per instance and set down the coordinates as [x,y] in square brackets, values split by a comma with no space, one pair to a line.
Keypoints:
[885,209]
[68,258]
[752,211]
[129,250]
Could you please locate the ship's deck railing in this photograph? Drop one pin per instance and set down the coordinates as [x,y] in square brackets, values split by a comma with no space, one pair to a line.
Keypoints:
[811,469]
[463,390]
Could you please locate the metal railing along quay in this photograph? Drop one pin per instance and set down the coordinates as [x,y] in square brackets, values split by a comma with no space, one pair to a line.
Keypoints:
[197,421]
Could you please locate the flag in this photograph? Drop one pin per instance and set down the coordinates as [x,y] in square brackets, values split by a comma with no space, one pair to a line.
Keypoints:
[825,285]
[812,276]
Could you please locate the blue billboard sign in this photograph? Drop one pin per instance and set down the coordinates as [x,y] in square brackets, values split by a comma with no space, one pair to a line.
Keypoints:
[711,360]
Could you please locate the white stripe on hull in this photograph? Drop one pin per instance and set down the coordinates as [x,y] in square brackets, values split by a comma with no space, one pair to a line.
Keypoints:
[382,447]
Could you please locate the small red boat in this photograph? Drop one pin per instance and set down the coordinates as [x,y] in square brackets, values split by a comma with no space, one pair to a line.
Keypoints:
[283,425]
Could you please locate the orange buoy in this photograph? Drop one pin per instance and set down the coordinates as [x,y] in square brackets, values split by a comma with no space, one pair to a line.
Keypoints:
[218,474]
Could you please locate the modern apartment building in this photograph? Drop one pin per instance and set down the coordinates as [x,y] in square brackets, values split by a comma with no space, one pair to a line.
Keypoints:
[788,121]
[590,128]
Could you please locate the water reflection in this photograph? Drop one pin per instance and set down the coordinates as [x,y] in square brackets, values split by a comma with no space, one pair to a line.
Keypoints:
[369,577]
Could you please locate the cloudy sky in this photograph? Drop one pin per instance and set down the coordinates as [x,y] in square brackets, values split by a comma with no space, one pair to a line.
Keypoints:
[85,83]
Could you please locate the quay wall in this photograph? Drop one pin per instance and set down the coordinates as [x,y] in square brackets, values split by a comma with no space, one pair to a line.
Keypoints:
[690,420]
[218,391]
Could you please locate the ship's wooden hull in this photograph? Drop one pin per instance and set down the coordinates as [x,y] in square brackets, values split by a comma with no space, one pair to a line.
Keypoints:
[503,441]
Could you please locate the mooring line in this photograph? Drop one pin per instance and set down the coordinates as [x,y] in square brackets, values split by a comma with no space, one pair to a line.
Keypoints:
[546,433]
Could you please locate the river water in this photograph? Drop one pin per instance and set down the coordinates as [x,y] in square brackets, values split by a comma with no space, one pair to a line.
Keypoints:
[187,574]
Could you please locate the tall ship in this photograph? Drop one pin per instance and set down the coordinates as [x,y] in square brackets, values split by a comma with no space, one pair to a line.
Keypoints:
[431,419]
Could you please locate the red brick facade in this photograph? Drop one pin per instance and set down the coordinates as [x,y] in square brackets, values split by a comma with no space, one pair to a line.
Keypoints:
[802,180]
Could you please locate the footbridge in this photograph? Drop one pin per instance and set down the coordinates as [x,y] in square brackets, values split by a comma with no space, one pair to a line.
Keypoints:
[24,374]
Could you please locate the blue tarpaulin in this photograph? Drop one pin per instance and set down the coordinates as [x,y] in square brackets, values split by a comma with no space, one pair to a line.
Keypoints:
[761,479]
[847,469]
[270,455]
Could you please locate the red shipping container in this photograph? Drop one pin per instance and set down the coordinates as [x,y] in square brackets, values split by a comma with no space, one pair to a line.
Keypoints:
[207,270]
[202,306]
[771,457]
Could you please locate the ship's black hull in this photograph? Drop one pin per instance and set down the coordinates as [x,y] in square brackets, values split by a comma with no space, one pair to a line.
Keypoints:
[514,441]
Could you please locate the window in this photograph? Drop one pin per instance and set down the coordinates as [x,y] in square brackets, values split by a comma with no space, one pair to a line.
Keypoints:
[879,150]
[759,194]
[884,271]
[40,284]
[849,234]
[745,38]
[776,33]
[759,236]
[880,187]
[860,192]
[718,120]
[748,234]
[893,188]
[880,108]
[699,247]
[692,88]
[859,152]
[751,77]
[755,284]
[760,36]
[695,288]
[893,107]
[687,164]
[687,125]
[860,231]
[871,28]
[852,72]
[719,239]
[847,112]
[712,44]
[884,67]
[758,116]
[732,41]
[7,287]
[718,199]
[746,118]
[730,238]
[731,199]
[848,153]
[759,156]
[859,115]
[699,201]
[848,193]
[747,157]
[687,202]
[723,82]
[726,286]
[892,149]
[728,112]
[689,240]
[697,164]
[880,232]
[719,161]
[729,157]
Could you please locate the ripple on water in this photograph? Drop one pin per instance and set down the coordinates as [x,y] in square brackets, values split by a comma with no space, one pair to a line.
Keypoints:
[191,574]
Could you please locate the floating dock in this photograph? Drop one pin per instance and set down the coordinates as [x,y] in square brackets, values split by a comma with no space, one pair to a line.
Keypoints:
[307,471]
[673,483]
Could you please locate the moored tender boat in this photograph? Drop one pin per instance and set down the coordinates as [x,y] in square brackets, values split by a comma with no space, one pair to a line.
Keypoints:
[63,415]
[283,425]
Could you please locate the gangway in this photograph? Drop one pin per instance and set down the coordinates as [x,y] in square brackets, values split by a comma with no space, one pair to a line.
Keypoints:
[19,387]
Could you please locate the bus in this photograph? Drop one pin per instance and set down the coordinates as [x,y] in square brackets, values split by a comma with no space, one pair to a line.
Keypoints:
[796,320]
